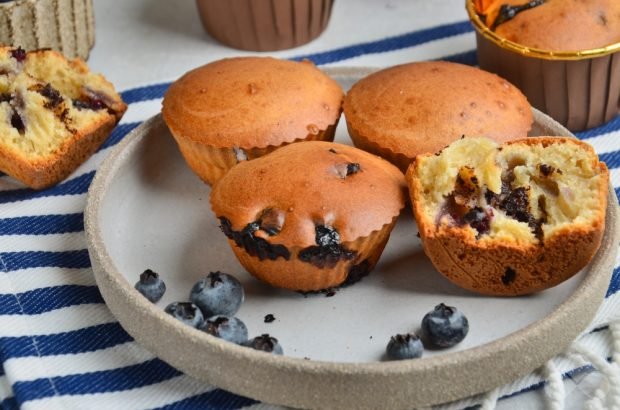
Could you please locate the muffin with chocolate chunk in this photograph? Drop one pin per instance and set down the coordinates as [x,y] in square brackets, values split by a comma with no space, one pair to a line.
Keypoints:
[510,219]
[54,113]
[309,216]
[415,108]
[238,109]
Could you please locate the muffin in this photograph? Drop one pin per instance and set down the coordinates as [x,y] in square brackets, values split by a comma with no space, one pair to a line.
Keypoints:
[264,25]
[309,216]
[237,109]
[67,26]
[560,53]
[510,219]
[418,108]
[54,113]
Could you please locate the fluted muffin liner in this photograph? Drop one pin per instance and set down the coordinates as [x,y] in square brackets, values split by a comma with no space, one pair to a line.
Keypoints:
[579,89]
[297,275]
[211,163]
[401,161]
[264,25]
[67,26]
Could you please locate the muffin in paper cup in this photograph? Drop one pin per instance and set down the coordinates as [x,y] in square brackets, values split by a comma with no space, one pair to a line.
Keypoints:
[238,109]
[310,216]
[578,88]
[67,26]
[264,25]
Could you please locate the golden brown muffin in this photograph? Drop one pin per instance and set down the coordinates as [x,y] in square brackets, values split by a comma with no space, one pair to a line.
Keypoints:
[556,25]
[510,219]
[242,108]
[412,109]
[54,113]
[309,216]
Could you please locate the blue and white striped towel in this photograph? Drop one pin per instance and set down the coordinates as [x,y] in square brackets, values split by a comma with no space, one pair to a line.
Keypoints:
[61,348]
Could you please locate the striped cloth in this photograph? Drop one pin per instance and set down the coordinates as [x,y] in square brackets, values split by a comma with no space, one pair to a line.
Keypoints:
[60,347]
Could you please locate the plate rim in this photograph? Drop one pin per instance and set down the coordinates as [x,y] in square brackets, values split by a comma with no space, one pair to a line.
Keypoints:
[340,384]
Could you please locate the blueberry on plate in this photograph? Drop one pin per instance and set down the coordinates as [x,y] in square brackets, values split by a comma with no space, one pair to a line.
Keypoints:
[186,312]
[402,347]
[265,343]
[151,285]
[445,326]
[228,328]
[217,294]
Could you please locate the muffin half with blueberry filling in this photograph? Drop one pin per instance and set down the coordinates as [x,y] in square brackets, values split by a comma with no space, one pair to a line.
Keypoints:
[54,113]
[510,219]
[309,216]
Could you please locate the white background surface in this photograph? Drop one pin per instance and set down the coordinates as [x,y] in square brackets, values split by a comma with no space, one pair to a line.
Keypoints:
[141,42]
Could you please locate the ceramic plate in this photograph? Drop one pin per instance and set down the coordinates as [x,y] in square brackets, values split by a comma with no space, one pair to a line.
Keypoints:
[146,209]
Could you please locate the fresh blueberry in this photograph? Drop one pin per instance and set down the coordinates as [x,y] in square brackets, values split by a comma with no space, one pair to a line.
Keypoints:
[186,312]
[402,347]
[151,285]
[265,343]
[225,327]
[445,326]
[217,294]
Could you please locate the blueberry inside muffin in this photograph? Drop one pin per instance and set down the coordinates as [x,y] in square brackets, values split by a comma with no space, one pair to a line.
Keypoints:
[512,218]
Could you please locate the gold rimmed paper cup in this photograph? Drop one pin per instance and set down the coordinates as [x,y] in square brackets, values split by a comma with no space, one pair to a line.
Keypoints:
[264,25]
[579,89]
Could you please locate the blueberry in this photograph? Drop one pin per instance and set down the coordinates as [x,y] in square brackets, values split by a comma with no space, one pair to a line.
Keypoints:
[445,326]
[217,294]
[265,343]
[151,286]
[228,328]
[402,347]
[186,312]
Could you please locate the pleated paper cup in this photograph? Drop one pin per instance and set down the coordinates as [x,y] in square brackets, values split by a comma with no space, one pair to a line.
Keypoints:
[579,89]
[67,26]
[264,25]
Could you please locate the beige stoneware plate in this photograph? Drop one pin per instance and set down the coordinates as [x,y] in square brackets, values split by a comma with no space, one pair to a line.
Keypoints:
[146,209]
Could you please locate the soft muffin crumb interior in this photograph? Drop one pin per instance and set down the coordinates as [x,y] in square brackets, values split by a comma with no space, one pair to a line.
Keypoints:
[517,192]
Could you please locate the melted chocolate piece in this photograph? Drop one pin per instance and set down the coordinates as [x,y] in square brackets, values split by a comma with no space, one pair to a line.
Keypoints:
[508,12]
[328,252]
[252,244]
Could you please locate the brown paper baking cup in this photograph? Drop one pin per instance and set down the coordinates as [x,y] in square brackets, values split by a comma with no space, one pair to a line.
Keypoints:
[264,25]
[67,26]
[297,275]
[579,89]
[211,163]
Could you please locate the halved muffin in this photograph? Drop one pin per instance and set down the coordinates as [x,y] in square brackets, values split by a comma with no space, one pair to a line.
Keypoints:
[309,216]
[510,219]
[54,113]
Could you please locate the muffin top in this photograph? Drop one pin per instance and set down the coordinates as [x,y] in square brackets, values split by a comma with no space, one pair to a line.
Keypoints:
[251,102]
[422,107]
[564,25]
[297,188]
